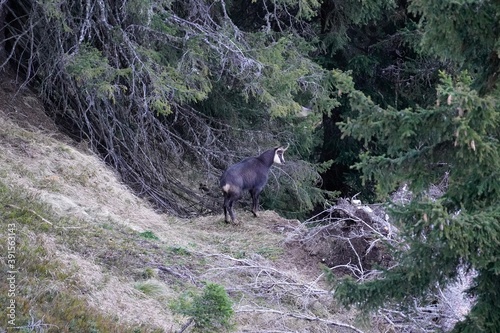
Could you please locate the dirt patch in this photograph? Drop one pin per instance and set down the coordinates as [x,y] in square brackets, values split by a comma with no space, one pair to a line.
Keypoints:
[344,238]
[19,103]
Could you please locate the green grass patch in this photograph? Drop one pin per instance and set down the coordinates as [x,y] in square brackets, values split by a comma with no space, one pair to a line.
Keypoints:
[149,235]
[271,253]
[153,289]
[178,250]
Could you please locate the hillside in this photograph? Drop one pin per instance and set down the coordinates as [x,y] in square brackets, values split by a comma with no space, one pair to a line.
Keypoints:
[91,256]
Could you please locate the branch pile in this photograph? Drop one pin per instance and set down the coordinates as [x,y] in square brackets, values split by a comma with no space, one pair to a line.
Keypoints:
[355,240]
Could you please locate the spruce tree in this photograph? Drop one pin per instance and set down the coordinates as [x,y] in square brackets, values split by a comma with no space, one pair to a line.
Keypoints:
[454,137]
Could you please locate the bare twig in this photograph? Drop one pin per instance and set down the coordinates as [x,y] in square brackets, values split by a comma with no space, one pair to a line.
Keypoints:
[41,217]
[186,325]
[299,316]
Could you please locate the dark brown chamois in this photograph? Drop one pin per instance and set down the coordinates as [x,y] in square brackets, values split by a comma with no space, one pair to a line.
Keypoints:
[250,174]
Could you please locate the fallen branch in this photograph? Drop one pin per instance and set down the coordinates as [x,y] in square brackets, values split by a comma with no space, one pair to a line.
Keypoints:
[186,325]
[32,212]
[300,316]
[266,277]
[39,216]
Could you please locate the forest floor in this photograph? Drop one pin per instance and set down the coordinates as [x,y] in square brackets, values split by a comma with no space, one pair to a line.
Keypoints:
[91,256]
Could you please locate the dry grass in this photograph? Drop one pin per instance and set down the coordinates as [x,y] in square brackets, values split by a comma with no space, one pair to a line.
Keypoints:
[122,261]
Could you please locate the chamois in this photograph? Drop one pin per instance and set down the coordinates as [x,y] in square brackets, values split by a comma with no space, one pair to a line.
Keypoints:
[250,174]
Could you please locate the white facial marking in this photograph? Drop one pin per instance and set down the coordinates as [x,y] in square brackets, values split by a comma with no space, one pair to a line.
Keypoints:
[278,157]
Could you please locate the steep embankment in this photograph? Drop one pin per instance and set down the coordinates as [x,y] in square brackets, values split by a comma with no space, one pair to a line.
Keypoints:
[92,256]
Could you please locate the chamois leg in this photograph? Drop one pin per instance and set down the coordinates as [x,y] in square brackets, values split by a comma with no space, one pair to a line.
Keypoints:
[255,201]
[225,209]
[231,211]
[228,208]
[229,200]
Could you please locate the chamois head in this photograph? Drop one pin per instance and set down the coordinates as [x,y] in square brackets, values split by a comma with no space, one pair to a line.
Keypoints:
[278,154]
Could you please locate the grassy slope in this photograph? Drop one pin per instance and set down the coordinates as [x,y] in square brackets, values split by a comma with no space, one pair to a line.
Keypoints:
[92,257]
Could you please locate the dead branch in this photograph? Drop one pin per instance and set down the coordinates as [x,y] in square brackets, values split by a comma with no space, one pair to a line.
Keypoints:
[40,217]
[299,316]
[186,325]
[264,279]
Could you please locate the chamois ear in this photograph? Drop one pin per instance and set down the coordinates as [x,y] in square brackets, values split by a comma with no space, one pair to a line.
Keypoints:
[282,149]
